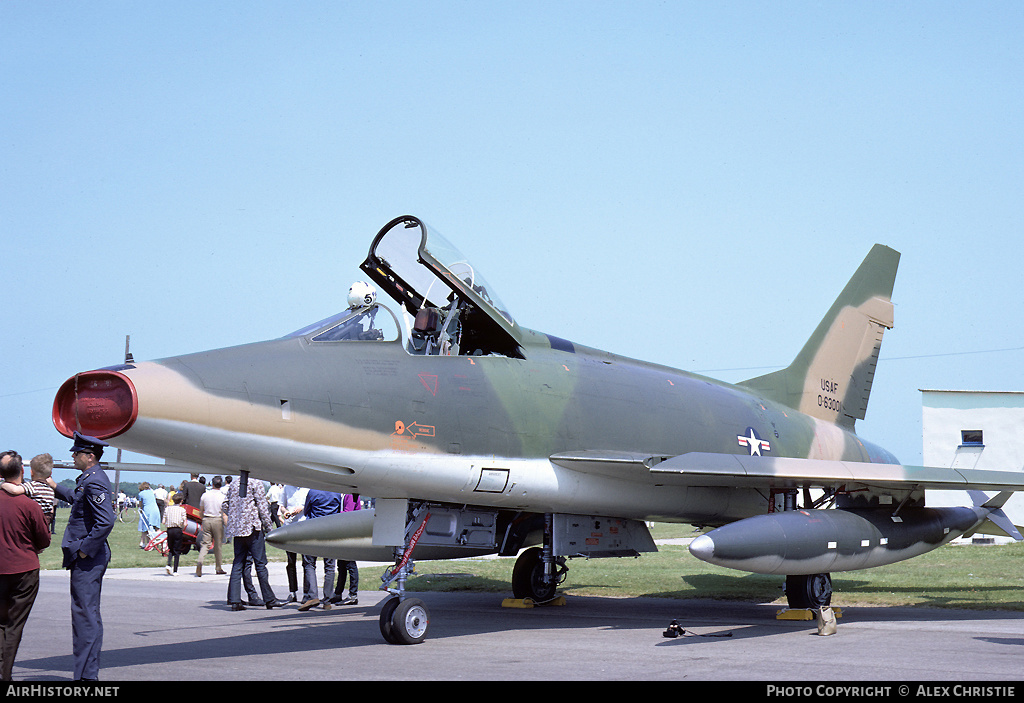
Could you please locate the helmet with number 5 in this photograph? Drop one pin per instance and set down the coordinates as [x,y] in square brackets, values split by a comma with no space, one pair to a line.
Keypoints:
[361,295]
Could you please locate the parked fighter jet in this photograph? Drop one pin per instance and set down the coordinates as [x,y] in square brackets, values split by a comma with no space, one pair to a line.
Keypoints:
[478,436]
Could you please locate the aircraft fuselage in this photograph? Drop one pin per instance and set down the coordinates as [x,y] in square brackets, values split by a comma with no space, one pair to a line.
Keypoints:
[371,418]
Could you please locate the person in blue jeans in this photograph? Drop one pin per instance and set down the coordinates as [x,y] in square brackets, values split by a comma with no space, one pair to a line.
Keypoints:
[248,521]
[348,568]
[318,504]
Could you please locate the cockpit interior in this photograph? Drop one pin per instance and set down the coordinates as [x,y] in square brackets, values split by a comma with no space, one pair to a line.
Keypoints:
[447,308]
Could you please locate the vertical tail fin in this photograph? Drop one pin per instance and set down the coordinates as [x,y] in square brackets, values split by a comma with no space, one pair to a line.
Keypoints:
[831,377]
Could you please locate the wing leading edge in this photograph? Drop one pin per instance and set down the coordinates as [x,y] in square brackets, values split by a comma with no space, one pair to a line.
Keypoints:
[709,469]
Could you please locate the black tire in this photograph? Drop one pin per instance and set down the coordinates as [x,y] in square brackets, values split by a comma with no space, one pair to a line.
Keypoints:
[409,621]
[809,591]
[386,615]
[528,577]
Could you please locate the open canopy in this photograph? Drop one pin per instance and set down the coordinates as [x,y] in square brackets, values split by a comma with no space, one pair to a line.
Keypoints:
[456,310]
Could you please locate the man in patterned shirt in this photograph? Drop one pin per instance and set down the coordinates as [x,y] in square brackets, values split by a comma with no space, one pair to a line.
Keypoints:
[37,489]
[248,521]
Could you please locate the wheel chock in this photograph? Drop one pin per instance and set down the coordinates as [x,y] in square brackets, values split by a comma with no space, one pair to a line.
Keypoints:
[802,613]
[530,602]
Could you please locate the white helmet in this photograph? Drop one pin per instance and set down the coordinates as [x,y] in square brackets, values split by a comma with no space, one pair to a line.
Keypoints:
[361,295]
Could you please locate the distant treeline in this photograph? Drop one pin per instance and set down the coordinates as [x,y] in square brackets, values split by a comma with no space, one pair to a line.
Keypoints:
[131,489]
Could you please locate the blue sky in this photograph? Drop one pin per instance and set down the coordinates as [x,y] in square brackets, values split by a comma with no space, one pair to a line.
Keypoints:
[690,183]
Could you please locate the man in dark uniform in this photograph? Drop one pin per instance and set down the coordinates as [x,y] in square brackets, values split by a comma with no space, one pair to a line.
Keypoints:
[86,552]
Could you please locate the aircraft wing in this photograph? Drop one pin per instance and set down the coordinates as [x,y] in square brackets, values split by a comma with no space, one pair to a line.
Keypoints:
[709,469]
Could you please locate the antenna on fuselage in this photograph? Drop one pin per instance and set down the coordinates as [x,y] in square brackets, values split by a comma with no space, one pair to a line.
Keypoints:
[117,472]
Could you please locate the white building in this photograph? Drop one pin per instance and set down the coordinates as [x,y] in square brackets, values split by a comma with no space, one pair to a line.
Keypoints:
[974,430]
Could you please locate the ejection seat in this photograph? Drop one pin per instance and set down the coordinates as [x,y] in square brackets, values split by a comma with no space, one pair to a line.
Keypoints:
[423,339]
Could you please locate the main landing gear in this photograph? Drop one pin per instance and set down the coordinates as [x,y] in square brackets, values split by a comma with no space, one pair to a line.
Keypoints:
[532,577]
[538,572]
[809,591]
[806,590]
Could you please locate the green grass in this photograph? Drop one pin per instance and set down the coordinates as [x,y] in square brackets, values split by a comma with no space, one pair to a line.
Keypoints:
[124,549]
[967,576]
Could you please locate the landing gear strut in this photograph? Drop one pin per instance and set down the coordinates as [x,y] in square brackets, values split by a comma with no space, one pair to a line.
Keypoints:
[404,620]
[806,590]
[538,572]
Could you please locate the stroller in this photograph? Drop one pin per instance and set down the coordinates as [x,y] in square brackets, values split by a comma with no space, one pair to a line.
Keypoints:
[189,533]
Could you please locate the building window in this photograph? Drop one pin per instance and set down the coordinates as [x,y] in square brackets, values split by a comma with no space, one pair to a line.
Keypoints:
[971,438]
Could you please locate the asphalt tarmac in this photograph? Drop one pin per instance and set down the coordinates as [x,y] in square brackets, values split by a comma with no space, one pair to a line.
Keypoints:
[164,628]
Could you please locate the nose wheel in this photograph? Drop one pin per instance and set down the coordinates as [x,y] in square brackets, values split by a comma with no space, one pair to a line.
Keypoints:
[404,621]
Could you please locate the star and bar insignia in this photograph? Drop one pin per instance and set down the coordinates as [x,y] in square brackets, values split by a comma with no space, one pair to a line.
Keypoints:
[753,442]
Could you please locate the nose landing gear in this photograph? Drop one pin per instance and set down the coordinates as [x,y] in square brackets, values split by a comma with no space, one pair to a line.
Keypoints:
[403,620]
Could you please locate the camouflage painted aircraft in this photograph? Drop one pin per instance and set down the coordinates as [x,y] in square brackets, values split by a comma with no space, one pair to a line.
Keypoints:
[478,436]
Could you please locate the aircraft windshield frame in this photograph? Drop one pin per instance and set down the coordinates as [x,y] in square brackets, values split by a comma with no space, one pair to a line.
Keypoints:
[342,326]
[407,260]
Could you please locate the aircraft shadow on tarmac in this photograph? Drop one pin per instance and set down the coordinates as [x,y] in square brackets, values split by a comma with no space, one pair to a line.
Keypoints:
[1017,641]
[960,597]
[751,588]
[735,587]
[460,614]
[287,631]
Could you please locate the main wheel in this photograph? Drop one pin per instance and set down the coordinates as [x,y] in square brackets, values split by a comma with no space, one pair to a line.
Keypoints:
[809,591]
[528,577]
[409,621]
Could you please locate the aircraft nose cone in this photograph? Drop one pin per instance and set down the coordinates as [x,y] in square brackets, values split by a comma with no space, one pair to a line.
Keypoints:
[703,548]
